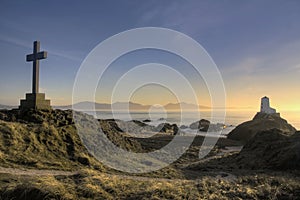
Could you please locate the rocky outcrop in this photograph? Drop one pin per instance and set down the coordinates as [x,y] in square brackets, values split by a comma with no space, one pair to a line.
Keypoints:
[42,146]
[205,126]
[49,139]
[134,127]
[261,122]
[53,117]
[271,149]
[201,125]
[183,127]
[167,128]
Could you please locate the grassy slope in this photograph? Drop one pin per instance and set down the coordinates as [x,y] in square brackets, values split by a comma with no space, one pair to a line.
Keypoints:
[89,184]
[42,146]
[45,140]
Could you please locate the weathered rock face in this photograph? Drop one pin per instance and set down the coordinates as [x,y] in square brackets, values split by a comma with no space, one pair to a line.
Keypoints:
[271,149]
[114,124]
[167,128]
[133,127]
[41,144]
[201,125]
[205,126]
[183,127]
[261,122]
[49,139]
[53,117]
[136,128]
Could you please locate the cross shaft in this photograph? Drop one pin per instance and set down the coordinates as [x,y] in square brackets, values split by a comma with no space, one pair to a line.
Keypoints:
[35,57]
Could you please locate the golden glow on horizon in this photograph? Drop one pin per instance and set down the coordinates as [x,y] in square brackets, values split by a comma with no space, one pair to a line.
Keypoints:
[163,98]
[248,99]
[153,94]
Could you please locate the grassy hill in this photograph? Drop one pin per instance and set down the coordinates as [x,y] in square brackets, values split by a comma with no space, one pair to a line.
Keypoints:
[42,157]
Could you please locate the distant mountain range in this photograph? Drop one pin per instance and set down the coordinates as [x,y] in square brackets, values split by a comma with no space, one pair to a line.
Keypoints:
[86,106]
[131,105]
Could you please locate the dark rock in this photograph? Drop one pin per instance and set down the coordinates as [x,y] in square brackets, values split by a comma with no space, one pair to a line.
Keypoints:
[83,160]
[115,126]
[3,116]
[183,127]
[147,120]
[213,128]
[132,127]
[55,117]
[139,123]
[28,191]
[9,115]
[175,129]
[164,127]
[271,149]
[261,122]
[167,128]
[201,125]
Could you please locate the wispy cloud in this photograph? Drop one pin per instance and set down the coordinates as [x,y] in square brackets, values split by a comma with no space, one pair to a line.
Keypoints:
[64,54]
[190,16]
[279,61]
[28,45]
[15,41]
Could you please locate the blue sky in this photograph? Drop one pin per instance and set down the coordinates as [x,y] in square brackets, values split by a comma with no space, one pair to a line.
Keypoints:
[255,44]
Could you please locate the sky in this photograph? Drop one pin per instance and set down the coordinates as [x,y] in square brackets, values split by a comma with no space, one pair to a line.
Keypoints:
[255,45]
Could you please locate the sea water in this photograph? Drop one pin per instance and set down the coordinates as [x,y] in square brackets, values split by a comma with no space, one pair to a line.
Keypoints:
[232,117]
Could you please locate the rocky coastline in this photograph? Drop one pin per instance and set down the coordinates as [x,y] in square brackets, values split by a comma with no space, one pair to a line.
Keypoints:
[266,146]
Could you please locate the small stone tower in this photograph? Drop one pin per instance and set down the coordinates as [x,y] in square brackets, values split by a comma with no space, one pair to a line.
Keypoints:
[265,106]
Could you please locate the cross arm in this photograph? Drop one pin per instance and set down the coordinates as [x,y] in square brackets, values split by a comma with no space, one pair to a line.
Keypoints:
[39,56]
[30,57]
[42,55]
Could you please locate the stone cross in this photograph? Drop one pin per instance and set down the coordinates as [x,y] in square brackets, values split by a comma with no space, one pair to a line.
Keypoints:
[35,57]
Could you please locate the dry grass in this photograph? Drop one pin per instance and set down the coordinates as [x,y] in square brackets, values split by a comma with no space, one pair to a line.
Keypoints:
[56,145]
[90,184]
[42,146]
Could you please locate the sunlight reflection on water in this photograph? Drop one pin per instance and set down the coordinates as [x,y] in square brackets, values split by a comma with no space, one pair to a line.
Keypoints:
[233,117]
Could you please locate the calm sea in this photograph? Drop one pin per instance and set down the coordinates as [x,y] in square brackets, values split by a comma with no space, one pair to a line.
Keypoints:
[233,117]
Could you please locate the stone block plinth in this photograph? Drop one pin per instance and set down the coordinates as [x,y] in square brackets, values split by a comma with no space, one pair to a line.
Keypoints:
[35,101]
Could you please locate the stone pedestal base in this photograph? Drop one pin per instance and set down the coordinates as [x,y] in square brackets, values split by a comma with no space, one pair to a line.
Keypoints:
[35,101]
